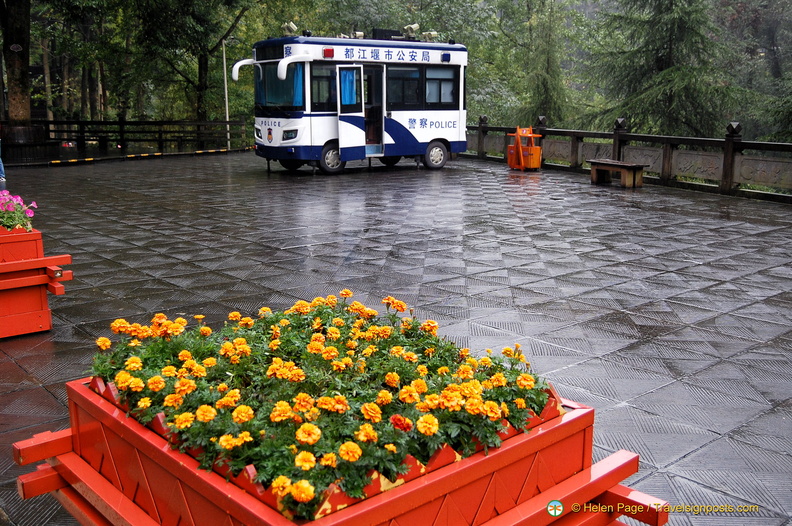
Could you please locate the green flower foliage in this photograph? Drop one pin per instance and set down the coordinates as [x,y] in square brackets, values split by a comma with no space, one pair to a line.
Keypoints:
[323,393]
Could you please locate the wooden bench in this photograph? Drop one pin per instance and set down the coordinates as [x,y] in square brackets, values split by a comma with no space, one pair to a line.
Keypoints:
[631,174]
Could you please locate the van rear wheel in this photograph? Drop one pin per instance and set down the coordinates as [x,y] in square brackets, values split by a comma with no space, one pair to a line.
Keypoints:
[390,160]
[330,162]
[291,165]
[436,155]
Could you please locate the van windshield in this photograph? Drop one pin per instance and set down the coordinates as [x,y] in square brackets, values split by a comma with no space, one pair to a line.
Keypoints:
[275,97]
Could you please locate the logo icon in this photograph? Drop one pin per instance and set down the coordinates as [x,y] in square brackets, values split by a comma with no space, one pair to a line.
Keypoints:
[555,508]
[269,134]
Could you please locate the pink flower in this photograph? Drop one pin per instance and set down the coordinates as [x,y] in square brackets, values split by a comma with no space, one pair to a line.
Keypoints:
[29,213]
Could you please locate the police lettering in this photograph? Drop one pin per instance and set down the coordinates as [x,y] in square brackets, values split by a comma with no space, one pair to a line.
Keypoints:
[442,124]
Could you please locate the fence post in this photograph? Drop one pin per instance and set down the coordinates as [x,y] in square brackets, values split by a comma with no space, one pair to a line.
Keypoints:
[482,133]
[730,147]
[540,129]
[667,166]
[122,136]
[619,127]
[81,139]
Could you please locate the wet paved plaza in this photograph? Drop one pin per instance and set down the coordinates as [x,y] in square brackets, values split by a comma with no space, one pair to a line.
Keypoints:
[668,311]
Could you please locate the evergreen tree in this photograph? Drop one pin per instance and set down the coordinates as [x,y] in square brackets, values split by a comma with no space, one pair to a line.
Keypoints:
[654,61]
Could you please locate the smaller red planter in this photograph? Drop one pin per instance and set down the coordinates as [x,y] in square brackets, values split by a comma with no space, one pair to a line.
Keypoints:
[26,276]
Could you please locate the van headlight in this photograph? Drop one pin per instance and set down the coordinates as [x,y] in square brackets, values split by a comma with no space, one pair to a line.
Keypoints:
[289,135]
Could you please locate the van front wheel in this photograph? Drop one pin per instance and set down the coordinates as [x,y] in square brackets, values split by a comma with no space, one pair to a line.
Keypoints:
[436,155]
[330,161]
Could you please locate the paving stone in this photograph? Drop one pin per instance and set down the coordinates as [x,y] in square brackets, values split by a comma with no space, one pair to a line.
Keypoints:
[678,331]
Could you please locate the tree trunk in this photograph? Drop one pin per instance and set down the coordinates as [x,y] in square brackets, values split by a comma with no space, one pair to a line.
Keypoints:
[202,87]
[47,77]
[15,21]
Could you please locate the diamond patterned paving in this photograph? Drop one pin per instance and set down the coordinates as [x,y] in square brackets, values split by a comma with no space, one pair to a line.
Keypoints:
[668,311]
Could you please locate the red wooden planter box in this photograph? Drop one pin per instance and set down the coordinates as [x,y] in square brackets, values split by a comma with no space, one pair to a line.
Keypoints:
[109,469]
[25,277]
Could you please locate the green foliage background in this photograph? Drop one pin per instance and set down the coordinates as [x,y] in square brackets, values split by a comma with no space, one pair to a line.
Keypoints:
[684,67]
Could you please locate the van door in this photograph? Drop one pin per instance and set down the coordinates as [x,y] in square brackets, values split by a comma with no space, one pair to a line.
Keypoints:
[351,117]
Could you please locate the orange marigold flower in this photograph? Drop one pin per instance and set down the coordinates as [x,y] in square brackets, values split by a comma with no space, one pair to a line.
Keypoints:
[410,357]
[346,293]
[300,307]
[485,362]
[419,385]
[474,406]
[264,311]
[205,413]
[409,395]
[302,491]
[242,414]
[274,344]
[451,400]
[340,404]
[222,388]
[430,326]
[442,371]
[144,402]
[390,447]
[428,425]
[227,442]
[338,366]
[119,326]
[234,316]
[371,411]
[308,434]
[281,412]
[246,322]
[104,343]
[333,333]
[305,460]
[392,379]
[498,380]
[422,370]
[366,433]
[384,397]
[185,355]
[280,486]
[328,459]
[122,379]
[520,403]
[133,363]
[433,400]
[184,420]
[464,371]
[526,381]
[184,386]
[303,402]
[350,451]
[401,423]
[205,331]
[136,384]
[330,353]
[397,350]
[492,410]
[471,388]
[173,400]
